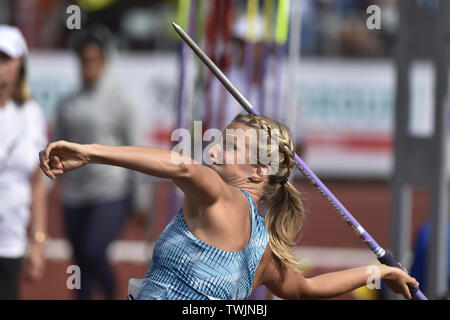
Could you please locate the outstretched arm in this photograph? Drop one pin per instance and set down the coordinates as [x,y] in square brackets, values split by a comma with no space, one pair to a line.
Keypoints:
[288,284]
[197,181]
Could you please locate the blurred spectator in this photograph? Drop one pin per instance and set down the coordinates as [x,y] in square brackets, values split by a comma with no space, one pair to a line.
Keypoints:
[22,188]
[97,199]
[142,24]
[389,24]
[357,40]
[418,269]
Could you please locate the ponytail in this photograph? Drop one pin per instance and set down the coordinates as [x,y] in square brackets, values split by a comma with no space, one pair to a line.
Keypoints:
[285,214]
[285,217]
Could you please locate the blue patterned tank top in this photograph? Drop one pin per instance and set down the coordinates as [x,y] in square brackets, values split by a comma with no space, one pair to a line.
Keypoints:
[185,268]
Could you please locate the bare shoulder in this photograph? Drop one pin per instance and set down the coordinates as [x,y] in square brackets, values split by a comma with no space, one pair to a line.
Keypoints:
[202,185]
[230,209]
[232,199]
[225,224]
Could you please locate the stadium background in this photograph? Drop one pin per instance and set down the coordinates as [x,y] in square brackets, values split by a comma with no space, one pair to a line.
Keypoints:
[344,85]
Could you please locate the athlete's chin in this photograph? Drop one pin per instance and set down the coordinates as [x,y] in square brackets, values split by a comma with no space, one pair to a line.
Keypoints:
[212,166]
[216,167]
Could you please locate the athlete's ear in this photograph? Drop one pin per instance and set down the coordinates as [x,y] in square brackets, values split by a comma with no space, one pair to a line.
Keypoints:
[262,172]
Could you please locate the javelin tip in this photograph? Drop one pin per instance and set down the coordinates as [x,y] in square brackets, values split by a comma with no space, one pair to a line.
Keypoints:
[177,27]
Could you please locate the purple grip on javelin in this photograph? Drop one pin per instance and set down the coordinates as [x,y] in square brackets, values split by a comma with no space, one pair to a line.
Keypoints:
[387,259]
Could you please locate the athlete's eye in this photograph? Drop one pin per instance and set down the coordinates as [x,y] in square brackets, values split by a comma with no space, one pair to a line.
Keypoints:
[228,144]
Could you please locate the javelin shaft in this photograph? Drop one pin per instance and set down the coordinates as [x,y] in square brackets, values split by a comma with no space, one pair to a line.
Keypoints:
[215,70]
[383,256]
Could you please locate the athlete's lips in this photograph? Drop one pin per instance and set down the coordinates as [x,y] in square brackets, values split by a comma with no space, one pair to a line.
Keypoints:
[213,164]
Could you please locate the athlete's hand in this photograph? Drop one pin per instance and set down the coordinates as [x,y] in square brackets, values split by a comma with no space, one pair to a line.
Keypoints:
[398,280]
[62,156]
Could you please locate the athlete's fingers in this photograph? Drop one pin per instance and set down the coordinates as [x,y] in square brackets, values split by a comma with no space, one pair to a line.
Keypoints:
[403,268]
[44,170]
[57,172]
[50,147]
[406,292]
[47,151]
[48,173]
[56,163]
[412,282]
[44,165]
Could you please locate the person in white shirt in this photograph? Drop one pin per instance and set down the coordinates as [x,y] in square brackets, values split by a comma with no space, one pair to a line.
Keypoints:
[22,188]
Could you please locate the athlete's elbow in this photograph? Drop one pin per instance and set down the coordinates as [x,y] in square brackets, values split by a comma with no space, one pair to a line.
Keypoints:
[304,295]
[308,291]
[187,170]
[183,171]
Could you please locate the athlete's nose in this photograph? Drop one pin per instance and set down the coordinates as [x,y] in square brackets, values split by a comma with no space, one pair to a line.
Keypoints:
[213,152]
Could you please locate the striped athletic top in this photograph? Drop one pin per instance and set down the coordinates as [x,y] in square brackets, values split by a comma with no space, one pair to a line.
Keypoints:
[185,268]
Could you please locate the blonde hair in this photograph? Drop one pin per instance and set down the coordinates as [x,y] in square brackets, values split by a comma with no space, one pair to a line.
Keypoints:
[285,215]
[21,93]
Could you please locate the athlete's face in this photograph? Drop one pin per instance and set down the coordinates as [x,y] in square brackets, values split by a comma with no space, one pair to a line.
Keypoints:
[9,75]
[232,158]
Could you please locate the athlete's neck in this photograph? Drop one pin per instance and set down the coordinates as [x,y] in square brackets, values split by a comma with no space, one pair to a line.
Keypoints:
[254,190]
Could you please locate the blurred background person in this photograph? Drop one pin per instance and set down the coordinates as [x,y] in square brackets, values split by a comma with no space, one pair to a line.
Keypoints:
[421,250]
[96,201]
[22,188]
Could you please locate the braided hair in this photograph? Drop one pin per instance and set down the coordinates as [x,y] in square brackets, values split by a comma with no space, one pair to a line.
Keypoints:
[285,214]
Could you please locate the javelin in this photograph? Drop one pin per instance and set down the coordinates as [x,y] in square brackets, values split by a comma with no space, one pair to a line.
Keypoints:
[382,256]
